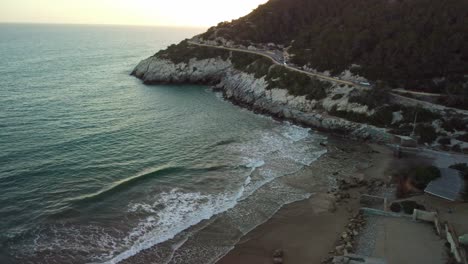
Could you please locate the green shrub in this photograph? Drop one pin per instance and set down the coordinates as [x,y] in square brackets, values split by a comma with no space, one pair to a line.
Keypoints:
[453,124]
[445,141]
[404,129]
[296,83]
[183,52]
[259,67]
[426,133]
[372,98]
[337,96]
[242,60]
[409,206]
[421,176]
[351,116]
[456,148]
[395,207]
[382,117]
[423,115]
[462,168]
[463,137]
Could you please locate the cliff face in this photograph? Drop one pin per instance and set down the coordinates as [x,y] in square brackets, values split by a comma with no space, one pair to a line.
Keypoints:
[155,70]
[246,90]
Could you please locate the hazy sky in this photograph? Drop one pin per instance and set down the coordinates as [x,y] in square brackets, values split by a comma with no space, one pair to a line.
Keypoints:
[127,12]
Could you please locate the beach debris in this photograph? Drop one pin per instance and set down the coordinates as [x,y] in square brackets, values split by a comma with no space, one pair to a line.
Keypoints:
[360,178]
[278,256]
[344,236]
[339,260]
[277,260]
[339,249]
[278,253]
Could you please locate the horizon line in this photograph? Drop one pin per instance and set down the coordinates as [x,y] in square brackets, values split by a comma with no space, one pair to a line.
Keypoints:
[103,24]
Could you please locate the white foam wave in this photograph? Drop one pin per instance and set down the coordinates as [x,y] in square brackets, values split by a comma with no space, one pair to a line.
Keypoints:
[56,238]
[253,163]
[181,211]
[175,247]
[295,133]
[274,153]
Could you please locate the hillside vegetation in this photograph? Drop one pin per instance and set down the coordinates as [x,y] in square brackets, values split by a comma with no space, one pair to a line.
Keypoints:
[296,83]
[416,44]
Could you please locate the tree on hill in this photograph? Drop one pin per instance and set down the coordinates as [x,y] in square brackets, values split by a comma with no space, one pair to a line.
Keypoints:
[402,42]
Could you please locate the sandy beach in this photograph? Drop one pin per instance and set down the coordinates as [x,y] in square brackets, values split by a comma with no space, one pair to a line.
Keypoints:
[306,231]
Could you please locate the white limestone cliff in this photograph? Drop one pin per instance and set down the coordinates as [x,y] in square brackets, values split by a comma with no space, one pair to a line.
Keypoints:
[246,90]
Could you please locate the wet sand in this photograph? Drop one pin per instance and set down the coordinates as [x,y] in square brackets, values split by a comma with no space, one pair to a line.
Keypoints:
[307,230]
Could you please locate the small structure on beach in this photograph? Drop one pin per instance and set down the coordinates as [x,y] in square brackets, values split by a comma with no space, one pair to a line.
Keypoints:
[449,185]
[405,141]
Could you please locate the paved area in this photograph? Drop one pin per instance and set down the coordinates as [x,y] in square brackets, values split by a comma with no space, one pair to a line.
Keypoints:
[456,213]
[401,241]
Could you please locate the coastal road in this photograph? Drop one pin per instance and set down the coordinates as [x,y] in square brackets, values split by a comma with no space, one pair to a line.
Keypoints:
[396,93]
[403,91]
[427,105]
[276,61]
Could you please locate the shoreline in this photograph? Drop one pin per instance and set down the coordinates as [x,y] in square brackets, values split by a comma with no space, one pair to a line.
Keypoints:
[306,231]
[324,213]
[294,226]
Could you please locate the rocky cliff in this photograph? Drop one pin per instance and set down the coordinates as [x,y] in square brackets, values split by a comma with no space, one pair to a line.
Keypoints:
[249,91]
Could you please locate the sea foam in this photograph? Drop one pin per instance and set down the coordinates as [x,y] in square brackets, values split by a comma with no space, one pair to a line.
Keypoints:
[271,154]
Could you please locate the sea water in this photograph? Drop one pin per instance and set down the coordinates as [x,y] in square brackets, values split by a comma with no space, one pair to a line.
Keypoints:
[96,167]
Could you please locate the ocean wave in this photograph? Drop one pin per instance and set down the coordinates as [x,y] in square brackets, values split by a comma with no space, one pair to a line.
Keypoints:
[295,133]
[268,155]
[126,183]
[254,163]
[172,213]
[224,142]
[147,174]
[278,152]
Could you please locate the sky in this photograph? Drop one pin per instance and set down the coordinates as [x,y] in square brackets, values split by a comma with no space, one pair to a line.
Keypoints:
[195,13]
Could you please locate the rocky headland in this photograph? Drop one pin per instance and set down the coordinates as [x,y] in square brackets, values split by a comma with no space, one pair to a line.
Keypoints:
[248,91]
[389,68]
[253,82]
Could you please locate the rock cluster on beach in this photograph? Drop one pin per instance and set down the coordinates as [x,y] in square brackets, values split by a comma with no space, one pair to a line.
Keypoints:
[358,181]
[347,239]
[347,242]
